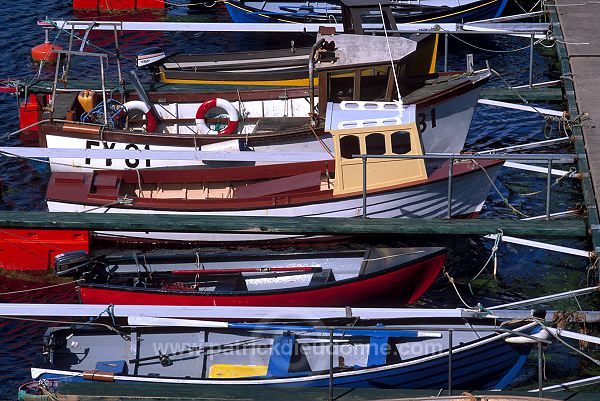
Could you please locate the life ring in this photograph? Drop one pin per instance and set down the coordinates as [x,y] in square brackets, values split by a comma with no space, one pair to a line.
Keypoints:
[224,104]
[138,105]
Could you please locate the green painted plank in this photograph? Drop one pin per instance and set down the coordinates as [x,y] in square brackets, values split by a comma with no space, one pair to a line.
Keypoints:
[290,225]
[531,95]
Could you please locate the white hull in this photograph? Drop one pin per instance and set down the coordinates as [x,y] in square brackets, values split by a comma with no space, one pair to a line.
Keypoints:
[443,127]
[423,201]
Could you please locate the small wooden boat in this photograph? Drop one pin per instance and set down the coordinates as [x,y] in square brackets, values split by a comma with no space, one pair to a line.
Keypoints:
[251,11]
[394,276]
[405,186]
[409,355]
[287,67]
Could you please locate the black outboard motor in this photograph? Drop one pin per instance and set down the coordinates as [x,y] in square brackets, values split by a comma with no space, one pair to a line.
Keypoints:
[149,57]
[70,264]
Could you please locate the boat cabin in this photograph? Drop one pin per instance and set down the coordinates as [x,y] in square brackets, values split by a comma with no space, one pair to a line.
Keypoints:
[375,137]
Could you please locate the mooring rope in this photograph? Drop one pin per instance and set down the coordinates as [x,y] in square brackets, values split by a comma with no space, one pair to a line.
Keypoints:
[40,288]
[452,282]
[90,323]
[557,337]
[504,199]
[493,254]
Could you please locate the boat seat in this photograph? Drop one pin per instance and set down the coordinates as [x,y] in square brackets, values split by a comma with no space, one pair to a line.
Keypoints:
[322,277]
[269,124]
[231,282]
[107,184]
[286,185]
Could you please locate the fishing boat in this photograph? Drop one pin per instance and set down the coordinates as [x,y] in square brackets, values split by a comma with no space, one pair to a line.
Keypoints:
[244,11]
[269,120]
[175,352]
[386,276]
[398,182]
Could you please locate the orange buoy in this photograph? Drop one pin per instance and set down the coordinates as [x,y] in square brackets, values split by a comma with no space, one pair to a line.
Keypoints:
[45,52]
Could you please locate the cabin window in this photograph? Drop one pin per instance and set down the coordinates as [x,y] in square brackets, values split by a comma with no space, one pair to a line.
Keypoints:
[349,145]
[401,142]
[341,86]
[375,144]
[374,82]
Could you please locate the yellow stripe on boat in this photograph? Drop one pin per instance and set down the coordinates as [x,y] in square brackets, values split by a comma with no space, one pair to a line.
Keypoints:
[434,55]
[454,13]
[228,371]
[285,82]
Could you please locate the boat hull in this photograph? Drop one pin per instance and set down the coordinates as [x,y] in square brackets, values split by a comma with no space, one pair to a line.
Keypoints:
[425,200]
[254,12]
[489,362]
[398,287]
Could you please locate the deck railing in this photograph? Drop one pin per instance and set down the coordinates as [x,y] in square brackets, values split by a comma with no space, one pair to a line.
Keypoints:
[549,159]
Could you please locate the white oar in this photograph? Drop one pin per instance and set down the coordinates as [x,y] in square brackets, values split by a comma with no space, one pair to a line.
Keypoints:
[358,331]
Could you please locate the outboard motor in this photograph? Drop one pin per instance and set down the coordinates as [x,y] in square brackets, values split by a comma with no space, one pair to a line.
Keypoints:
[71,263]
[149,57]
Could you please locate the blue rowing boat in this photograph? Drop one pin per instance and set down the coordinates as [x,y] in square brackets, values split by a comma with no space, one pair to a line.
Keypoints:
[330,11]
[484,356]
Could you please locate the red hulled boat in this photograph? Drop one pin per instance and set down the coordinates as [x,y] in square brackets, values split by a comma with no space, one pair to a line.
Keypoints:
[395,276]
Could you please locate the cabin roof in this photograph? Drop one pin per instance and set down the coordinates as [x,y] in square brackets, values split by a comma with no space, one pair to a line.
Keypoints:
[353,50]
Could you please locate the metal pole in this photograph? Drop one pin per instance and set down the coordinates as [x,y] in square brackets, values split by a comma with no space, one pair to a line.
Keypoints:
[311,80]
[450,362]
[53,99]
[364,162]
[540,371]
[105,106]
[450,173]
[118,57]
[446,52]
[548,187]
[531,61]
[330,365]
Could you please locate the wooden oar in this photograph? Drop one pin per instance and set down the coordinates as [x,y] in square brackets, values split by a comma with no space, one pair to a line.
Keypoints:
[311,269]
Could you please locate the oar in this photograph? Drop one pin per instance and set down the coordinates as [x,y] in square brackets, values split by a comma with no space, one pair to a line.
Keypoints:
[311,269]
[573,335]
[169,322]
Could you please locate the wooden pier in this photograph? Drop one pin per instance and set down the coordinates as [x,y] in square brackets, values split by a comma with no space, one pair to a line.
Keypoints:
[574,24]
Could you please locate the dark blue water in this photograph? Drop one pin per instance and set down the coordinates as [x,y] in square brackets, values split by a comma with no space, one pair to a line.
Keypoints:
[522,272]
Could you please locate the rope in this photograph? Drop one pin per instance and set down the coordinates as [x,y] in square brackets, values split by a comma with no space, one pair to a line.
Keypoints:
[91,323]
[120,201]
[494,255]
[504,199]
[451,281]
[321,141]
[557,337]
[11,134]
[390,53]
[39,288]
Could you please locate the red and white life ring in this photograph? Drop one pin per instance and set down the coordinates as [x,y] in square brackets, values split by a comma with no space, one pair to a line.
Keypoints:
[225,105]
[138,105]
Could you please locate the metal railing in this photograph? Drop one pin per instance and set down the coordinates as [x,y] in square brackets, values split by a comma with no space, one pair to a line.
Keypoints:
[549,159]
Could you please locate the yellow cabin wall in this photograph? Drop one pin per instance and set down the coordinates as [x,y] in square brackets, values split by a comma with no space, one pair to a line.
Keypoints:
[380,172]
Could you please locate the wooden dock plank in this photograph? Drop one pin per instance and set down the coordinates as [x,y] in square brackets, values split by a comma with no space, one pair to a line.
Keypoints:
[291,225]
[515,95]
[578,23]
